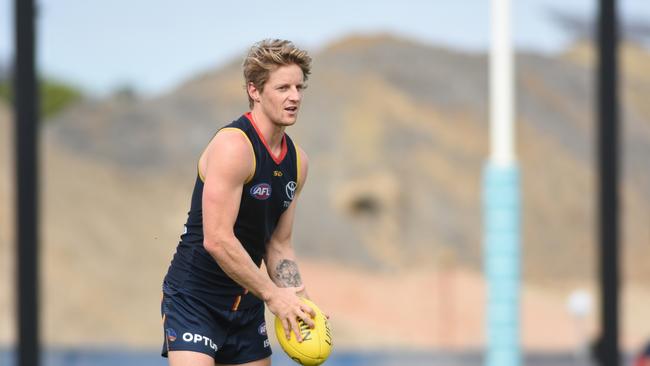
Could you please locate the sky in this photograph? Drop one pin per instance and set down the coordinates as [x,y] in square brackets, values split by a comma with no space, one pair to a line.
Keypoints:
[152,46]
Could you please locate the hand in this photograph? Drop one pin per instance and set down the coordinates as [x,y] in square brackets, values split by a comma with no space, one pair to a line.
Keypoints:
[288,307]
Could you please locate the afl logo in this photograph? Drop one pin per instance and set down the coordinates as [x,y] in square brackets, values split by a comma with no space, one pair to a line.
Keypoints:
[171,334]
[261,191]
[291,189]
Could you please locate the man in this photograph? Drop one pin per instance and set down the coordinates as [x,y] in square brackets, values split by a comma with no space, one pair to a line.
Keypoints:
[242,212]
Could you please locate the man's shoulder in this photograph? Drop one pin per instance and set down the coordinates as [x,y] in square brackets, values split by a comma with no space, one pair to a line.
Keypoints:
[231,153]
[242,123]
[236,131]
[231,138]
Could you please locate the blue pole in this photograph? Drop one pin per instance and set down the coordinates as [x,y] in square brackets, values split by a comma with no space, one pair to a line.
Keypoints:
[501,207]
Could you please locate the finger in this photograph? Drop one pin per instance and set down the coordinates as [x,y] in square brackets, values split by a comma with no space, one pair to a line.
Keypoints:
[307,309]
[287,328]
[305,318]
[296,329]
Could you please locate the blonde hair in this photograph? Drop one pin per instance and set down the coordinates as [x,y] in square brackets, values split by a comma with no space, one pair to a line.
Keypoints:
[269,54]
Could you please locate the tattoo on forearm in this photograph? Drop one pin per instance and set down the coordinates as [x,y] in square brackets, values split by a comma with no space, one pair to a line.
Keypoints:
[287,274]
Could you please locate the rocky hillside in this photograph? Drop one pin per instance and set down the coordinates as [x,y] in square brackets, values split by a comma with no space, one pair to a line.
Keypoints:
[397,136]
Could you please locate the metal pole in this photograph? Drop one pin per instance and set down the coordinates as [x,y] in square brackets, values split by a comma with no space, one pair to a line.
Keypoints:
[501,202]
[607,108]
[26,119]
[502,129]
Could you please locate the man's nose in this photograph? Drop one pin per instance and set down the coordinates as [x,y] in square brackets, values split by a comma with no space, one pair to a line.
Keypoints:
[295,94]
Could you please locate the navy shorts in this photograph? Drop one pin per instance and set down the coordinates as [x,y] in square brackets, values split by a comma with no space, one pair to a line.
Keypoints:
[230,337]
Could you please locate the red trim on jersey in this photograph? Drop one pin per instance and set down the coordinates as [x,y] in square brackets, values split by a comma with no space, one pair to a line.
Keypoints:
[283,151]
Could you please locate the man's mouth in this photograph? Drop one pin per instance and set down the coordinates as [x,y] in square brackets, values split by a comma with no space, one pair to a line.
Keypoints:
[291,109]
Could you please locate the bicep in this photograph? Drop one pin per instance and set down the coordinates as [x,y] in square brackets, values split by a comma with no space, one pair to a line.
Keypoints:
[220,206]
[283,231]
[280,243]
[303,168]
[228,164]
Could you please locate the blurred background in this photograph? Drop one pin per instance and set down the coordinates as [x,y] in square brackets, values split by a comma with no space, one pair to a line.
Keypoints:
[395,122]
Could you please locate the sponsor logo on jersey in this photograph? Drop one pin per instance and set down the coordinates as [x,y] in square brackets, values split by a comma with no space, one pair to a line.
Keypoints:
[277,173]
[291,189]
[262,329]
[171,334]
[197,338]
[267,343]
[261,191]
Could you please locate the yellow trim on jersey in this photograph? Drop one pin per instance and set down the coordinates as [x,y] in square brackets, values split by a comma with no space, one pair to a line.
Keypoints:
[235,306]
[252,174]
[198,169]
[295,146]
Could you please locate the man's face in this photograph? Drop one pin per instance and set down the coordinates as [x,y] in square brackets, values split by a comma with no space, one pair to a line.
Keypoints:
[282,94]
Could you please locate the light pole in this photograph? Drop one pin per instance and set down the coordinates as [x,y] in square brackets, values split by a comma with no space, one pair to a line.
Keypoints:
[501,202]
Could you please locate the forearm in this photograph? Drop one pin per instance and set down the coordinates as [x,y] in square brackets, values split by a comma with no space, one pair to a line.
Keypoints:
[238,265]
[282,267]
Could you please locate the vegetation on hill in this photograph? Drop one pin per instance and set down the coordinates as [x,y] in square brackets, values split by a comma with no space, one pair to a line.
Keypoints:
[55,96]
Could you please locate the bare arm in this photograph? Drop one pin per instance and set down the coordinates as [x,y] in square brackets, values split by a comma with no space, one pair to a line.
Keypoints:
[226,165]
[280,258]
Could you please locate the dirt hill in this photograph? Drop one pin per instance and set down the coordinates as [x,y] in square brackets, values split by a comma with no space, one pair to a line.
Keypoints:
[397,137]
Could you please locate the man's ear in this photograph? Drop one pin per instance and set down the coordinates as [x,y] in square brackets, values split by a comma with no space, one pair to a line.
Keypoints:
[253,92]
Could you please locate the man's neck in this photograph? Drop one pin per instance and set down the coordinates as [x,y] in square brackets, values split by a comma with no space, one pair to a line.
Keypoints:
[271,132]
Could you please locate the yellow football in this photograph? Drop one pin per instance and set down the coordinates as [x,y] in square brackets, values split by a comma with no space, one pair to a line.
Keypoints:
[316,344]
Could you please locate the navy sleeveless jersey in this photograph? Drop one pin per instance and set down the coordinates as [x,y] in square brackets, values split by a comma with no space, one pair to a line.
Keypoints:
[265,196]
